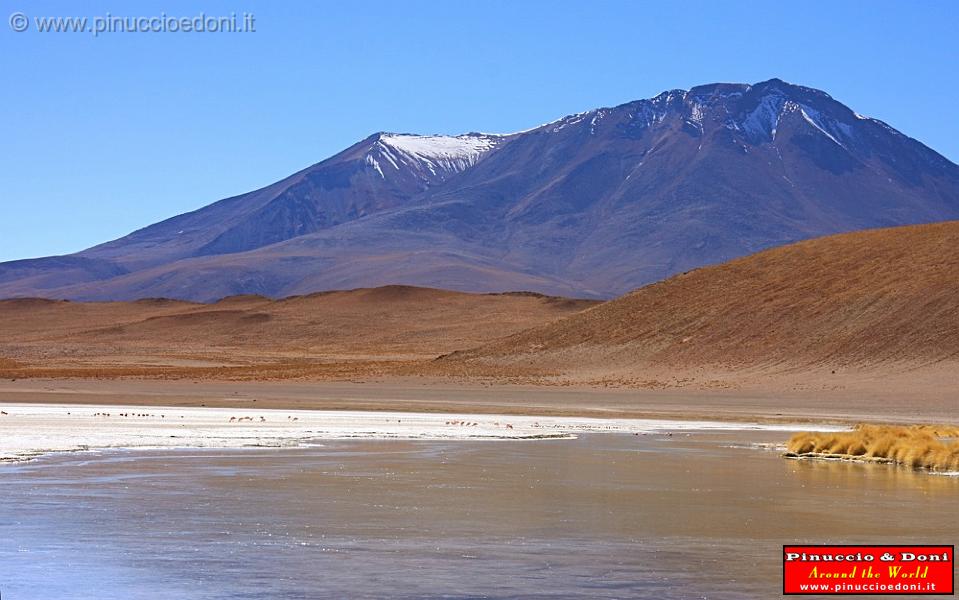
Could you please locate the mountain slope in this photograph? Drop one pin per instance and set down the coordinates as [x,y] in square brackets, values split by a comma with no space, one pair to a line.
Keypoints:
[381,172]
[593,204]
[885,298]
[616,198]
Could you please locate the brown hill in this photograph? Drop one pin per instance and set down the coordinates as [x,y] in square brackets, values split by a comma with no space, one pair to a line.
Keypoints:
[876,301]
[256,335]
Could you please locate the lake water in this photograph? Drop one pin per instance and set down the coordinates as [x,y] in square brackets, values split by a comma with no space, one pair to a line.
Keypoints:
[602,516]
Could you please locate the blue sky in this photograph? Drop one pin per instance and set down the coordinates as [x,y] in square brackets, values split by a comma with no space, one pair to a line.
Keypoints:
[103,135]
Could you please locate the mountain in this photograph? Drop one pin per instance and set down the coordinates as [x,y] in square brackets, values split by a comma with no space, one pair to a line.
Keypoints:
[591,205]
[880,301]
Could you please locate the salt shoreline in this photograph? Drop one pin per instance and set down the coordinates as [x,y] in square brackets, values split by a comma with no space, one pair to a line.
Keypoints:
[31,430]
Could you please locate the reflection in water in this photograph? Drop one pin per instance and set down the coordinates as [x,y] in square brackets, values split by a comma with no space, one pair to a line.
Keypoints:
[605,516]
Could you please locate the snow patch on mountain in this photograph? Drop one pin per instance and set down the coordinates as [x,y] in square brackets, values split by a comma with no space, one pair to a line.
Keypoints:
[375,164]
[435,155]
[648,112]
[599,114]
[828,127]
[763,121]
[697,113]
[564,122]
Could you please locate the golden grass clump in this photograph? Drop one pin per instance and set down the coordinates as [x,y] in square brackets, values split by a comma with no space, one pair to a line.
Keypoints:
[918,446]
[941,431]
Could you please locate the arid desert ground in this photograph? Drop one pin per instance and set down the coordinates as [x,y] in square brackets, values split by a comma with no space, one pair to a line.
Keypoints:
[856,327]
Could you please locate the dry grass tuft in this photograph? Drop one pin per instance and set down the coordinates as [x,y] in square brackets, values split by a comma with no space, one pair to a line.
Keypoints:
[918,446]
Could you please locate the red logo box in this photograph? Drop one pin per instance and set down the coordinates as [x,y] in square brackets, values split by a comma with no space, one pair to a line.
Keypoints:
[863,570]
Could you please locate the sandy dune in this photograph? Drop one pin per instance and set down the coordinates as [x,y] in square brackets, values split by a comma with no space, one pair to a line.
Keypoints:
[876,303]
[255,337]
